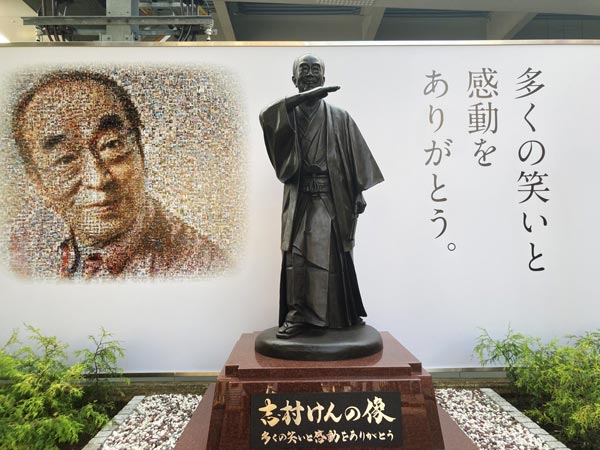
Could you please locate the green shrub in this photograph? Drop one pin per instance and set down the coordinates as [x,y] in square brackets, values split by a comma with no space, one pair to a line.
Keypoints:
[44,401]
[100,366]
[562,377]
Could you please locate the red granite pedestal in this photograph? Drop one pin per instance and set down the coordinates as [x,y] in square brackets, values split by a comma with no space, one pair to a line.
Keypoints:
[222,421]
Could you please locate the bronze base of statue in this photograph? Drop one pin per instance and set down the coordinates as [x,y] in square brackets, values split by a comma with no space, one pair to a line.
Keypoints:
[321,344]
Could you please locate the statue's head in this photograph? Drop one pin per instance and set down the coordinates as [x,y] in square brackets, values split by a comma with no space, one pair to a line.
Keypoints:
[308,72]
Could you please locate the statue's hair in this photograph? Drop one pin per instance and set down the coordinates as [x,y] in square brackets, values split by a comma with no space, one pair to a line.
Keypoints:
[297,62]
[63,77]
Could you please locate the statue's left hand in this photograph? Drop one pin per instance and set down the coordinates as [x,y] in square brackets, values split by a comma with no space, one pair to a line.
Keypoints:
[359,204]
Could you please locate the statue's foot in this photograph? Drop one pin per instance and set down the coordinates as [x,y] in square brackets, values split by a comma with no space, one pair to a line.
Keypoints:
[291,329]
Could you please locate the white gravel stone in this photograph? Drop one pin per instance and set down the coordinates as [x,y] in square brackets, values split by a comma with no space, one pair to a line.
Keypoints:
[488,426]
[156,424]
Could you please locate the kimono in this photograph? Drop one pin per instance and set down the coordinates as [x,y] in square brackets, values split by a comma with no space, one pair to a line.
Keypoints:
[317,151]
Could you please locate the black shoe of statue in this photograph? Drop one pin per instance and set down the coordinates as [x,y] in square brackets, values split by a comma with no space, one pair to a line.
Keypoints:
[291,329]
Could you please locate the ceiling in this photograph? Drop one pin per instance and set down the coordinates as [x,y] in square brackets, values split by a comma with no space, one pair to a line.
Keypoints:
[340,20]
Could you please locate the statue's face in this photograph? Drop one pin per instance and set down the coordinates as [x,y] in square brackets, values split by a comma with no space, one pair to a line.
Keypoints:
[309,73]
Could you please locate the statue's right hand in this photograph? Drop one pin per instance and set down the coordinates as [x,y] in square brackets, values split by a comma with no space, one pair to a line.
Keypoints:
[310,95]
[320,92]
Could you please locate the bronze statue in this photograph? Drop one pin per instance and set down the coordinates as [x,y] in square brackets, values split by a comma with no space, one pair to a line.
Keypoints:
[325,164]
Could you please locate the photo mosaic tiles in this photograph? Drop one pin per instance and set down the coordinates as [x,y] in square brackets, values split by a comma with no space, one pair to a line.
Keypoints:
[122,172]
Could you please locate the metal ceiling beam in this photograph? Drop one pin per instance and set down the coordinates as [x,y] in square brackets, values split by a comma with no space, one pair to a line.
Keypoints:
[118,20]
[225,27]
[371,20]
[578,7]
[503,25]
[172,4]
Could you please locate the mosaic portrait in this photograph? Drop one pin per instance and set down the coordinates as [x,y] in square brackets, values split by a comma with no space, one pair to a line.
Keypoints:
[122,172]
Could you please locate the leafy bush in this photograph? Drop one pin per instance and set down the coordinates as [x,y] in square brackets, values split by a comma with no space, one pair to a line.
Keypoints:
[44,401]
[100,366]
[562,377]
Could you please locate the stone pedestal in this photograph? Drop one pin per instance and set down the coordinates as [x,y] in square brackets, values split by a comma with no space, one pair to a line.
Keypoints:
[246,373]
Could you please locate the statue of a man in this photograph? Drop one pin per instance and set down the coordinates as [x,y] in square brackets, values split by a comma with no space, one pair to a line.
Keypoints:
[325,164]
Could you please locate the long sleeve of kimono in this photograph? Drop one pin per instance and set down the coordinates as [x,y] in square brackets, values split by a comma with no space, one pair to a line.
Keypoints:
[366,171]
[280,140]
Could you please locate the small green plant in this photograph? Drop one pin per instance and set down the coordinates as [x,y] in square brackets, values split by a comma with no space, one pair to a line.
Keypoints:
[100,366]
[562,378]
[44,400]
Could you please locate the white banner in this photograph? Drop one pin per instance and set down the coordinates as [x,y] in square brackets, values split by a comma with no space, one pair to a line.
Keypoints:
[486,218]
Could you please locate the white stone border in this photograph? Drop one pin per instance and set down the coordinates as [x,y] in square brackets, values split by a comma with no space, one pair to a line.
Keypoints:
[97,441]
[548,439]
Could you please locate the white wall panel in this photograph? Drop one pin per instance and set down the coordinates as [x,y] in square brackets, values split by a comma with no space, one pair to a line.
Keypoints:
[432,299]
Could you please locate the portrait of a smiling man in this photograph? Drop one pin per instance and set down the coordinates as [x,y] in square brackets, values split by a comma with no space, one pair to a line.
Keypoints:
[78,134]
